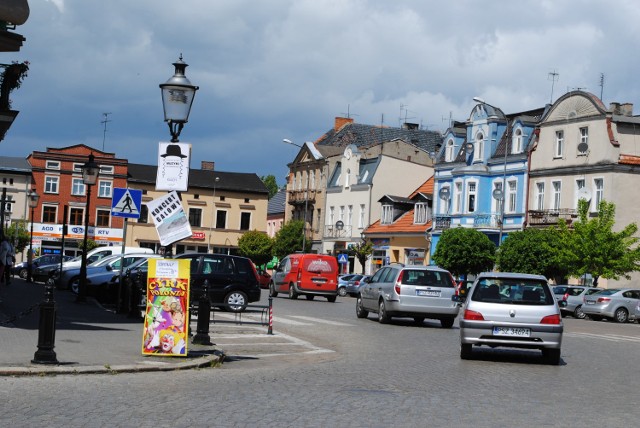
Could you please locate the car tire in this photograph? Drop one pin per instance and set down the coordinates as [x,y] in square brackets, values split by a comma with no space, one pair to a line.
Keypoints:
[466,351]
[552,356]
[74,285]
[578,313]
[383,317]
[331,299]
[22,273]
[309,296]
[361,312]
[235,301]
[418,320]
[293,294]
[447,322]
[342,291]
[272,290]
[621,315]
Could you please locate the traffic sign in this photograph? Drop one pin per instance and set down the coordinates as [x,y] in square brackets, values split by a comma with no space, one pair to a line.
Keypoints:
[126,203]
[343,258]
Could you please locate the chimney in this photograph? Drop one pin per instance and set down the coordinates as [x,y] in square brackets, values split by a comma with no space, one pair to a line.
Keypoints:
[340,122]
[627,109]
[208,165]
[614,108]
[410,126]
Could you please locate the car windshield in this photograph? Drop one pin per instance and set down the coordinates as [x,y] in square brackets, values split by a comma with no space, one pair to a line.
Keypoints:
[426,277]
[512,291]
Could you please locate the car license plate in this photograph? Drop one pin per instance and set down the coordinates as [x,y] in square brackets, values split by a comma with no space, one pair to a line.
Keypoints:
[591,302]
[511,331]
[428,293]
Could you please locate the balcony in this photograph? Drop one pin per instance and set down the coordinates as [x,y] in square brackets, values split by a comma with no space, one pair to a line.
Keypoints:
[543,218]
[332,232]
[442,222]
[299,197]
[486,221]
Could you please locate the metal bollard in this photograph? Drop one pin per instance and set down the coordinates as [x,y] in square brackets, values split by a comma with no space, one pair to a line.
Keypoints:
[204,312]
[47,328]
[270,329]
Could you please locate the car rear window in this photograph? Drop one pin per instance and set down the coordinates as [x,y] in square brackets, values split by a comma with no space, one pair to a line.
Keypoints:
[574,291]
[559,290]
[609,291]
[317,265]
[512,291]
[427,278]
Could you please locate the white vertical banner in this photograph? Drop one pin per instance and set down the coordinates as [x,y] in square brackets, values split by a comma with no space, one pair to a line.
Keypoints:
[169,218]
[173,166]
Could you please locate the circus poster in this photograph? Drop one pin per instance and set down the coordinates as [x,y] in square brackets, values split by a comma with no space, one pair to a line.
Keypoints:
[166,321]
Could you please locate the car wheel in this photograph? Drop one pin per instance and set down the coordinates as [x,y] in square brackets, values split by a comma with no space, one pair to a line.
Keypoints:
[552,356]
[621,315]
[331,299]
[361,312]
[293,294]
[272,290]
[418,320]
[447,322]
[578,313]
[309,296]
[383,317]
[342,291]
[236,301]
[595,317]
[74,285]
[466,351]
[22,273]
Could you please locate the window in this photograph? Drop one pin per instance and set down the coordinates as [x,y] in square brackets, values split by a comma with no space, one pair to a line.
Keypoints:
[312,179]
[420,213]
[331,216]
[347,178]
[49,213]
[221,219]
[559,152]
[512,187]
[584,141]
[75,216]
[53,165]
[557,188]
[457,198]
[349,215]
[516,145]
[144,214]
[106,169]
[104,189]
[471,196]
[579,185]
[102,218]
[539,196]
[450,151]
[341,214]
[479,147]
[77,187]
[195,217]
[361,218]
[387,214]
[51,184]
[598,184]
[245,221]
[319,217]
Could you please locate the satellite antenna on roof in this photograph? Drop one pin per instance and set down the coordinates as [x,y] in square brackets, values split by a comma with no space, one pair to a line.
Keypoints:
[406,111]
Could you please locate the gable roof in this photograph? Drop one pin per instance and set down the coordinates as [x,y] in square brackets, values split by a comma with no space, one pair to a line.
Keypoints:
[277,203]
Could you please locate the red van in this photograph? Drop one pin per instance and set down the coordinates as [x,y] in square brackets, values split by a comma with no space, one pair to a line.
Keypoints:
[306,274]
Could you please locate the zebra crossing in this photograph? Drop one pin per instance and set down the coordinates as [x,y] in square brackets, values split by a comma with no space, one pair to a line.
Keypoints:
[292,320]
[608,337]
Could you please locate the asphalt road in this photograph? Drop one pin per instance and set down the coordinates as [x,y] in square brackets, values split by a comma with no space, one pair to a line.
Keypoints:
[323,367]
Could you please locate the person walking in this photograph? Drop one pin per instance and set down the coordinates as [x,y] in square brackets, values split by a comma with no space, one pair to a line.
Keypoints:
[5,247]
[10,260]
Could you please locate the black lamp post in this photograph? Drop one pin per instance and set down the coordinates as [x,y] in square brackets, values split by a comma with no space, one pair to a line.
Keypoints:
[177,96]
[89,176]
[33,203]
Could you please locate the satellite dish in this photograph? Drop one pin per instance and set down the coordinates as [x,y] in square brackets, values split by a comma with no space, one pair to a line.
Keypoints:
[584,193]
[583,147]
[497,194]
[444,193]
[468,148]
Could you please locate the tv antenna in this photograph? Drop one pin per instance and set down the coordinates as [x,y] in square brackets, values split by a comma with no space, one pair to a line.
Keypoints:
[553,76]
[448,119]
[403,107]
[348,114]
[601,84]
[104,121]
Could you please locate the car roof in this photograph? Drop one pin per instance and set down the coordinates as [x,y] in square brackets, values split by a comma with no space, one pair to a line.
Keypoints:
[510,275]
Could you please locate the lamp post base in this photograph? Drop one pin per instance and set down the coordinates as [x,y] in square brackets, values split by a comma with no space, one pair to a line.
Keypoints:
[46,330]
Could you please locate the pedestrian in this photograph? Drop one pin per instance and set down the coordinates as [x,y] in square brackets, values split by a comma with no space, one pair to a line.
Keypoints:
[5,247]
[10,260]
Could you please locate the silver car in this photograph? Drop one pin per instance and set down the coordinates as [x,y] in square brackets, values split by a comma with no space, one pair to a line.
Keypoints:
[618,304]
[512,310]
[418,292]
[574,296]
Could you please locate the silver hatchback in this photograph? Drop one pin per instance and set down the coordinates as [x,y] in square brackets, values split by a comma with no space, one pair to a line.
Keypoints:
[618,304]
[418,292]
[511,310]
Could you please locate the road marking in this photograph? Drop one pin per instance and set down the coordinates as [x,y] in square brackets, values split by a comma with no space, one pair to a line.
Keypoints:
[610,337]
[322,321]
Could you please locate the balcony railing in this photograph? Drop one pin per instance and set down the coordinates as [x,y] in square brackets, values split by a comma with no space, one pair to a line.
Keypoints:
[332,232]
[297,197]
[551,217]
[442,222]
[480,220]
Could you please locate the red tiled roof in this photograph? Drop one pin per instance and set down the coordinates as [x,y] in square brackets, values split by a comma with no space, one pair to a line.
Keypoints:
[404,224]
[425,188]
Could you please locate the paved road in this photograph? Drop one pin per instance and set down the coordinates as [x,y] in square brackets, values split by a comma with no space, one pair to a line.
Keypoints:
[323,367]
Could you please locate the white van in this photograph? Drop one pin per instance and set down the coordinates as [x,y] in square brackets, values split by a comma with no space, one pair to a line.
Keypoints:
[100,252]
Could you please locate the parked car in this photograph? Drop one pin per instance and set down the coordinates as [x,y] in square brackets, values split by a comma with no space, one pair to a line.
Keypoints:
[617,304]
[343,281]
[559,291]
[353,285]
[306,274]
[418,292]
[637,312]
[43,272]
[265,278]
[511,310]
[101,252]
[574,296]
[104,281]
[21,269]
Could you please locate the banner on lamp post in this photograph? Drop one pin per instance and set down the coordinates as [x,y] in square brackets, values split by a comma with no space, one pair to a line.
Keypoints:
[173,166]
[169,218]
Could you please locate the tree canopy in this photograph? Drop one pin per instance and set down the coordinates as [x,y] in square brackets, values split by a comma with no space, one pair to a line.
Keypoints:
[362,250]
[271,183]
[289,239]
[256,245]
[464,251]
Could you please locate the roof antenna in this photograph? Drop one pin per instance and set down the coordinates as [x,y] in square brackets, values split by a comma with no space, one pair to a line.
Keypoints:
[104,133]
[348,114]
[553,76]
[601,84]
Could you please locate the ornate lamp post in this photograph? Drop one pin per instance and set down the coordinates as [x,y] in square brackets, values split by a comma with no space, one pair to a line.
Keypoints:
[89,176]
[33,203]
[177,96]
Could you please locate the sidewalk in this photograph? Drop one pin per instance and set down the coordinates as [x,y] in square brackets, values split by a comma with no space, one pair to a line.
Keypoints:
[89,338]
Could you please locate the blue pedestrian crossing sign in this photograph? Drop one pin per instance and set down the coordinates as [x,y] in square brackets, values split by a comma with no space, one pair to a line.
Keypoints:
[343,258]
[126,203]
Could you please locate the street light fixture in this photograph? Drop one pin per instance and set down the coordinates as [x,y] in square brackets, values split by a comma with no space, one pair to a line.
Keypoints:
[177,96]
[90,172]
[33,203]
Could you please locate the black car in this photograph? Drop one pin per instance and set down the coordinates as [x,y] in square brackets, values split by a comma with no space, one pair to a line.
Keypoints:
[233,280]
[21,269]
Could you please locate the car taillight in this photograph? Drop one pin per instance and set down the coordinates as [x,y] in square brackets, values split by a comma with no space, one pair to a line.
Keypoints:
[551,319]
[473,315]
[603,299]
[299,280]
[397,287]
[356,283]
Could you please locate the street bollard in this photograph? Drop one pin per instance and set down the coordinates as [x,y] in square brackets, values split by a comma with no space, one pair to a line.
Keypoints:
[270,329]
[47,328]
[204,312]
[135,297]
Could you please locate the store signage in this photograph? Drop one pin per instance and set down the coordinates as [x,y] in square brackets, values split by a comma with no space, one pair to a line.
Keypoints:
[198,236]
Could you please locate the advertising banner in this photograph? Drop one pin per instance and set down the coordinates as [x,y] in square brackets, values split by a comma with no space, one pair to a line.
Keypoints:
[170,219]
[166,320]
[173,166]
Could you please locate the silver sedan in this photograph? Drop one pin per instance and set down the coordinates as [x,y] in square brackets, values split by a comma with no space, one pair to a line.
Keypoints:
[618,304]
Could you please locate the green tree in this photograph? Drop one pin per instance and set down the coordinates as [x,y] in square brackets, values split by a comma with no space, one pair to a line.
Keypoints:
[91,244]
[18,235]
[463,251]
[271,183]
[362,250]
[534,251]
[257,246]
[593,247]
[289,239]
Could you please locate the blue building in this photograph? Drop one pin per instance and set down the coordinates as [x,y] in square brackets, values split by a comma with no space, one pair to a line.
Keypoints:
[481,175]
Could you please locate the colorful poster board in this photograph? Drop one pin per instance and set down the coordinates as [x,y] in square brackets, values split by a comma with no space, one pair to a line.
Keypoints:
[169,218]
[166,320]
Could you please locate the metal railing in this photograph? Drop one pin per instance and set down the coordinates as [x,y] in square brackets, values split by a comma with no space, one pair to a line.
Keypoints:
[331,231]
[552,217]
[300,196]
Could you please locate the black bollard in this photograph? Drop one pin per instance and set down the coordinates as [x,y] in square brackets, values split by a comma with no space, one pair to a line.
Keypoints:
[204,313]
[134,294]
[47,328]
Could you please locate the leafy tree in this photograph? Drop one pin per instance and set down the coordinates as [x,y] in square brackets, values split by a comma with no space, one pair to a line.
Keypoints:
[271,183]
[464,251]
[91,244]
[534,251]
[362,250]
[257,246]
[593,247]
[18,235]
[289,239]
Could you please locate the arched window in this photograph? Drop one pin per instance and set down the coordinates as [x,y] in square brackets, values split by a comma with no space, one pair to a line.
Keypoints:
[479,147]
[450,151]
[516,143]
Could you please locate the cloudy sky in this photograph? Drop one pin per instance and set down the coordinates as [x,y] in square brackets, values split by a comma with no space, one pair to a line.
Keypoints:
[275,69]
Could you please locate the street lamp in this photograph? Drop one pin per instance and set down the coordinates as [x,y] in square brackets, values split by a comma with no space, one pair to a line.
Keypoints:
[306,201]
[213,214]
[177,96]
[33,203]
[89,176]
